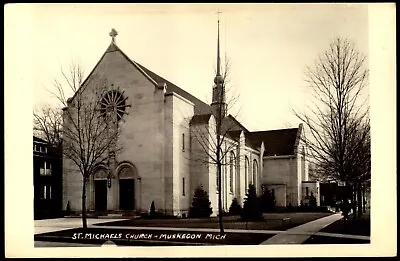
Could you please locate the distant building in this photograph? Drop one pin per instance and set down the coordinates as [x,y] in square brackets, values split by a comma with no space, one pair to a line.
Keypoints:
[311,189]
[47,179]
[160,157]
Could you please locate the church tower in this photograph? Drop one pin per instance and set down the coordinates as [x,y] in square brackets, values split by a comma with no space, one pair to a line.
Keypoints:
[218,104]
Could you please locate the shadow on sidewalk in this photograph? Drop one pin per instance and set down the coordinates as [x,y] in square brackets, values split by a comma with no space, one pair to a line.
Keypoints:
[360,226]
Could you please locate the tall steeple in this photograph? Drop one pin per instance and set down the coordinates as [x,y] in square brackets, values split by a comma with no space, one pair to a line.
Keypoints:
[218,104]
[218,57]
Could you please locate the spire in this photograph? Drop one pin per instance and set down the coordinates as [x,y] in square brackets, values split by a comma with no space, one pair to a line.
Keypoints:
[218,58]
[218,97]
[218,78]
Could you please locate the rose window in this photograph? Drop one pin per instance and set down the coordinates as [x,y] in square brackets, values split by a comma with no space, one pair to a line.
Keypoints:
[113,101]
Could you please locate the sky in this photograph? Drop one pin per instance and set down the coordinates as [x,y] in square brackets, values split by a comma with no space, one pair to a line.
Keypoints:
[268,47]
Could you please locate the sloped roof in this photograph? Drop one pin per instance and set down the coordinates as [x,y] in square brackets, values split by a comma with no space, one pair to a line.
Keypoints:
[229,123]
[250,143]
[39,139]
[200,118]
[234,135]
[276,142]
[200,106]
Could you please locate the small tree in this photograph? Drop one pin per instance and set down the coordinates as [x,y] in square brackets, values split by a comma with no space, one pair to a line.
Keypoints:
[235,208]
[252,207]
[201,205]
[268,201]
[313,201]
[152,209]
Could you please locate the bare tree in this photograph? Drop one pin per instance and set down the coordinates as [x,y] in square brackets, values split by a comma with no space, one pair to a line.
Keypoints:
[90,129]
[214,142]
[47,124]
[337,120]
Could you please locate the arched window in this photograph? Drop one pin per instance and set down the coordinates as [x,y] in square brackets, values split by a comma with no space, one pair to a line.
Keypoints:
[232,164]
[255,170]
[246,172]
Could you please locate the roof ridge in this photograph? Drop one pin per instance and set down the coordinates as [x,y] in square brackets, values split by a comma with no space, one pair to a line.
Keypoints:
[173,85]
[274,130]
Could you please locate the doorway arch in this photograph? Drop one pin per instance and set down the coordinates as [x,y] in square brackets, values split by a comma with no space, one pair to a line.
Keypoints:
[100,188]
[128,186]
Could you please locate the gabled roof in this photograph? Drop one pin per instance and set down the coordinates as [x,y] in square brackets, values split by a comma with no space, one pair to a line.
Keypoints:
[200,106]
[276,142]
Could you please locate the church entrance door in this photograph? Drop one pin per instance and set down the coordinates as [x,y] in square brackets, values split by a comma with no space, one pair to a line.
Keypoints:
[126,194]
[100,195]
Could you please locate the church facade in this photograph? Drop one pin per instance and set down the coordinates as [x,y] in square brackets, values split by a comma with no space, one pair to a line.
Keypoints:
[167,138]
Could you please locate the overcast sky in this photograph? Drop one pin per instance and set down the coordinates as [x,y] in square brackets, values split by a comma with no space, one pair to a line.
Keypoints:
[268,46]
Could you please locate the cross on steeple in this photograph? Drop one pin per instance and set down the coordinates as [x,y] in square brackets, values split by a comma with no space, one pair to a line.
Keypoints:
[113,34]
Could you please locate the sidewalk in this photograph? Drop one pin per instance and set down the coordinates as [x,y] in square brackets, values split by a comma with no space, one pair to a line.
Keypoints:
[58,224]
[296,235]
[299,234]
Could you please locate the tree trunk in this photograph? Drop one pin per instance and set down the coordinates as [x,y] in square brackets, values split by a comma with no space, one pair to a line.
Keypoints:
[219,173]
[353,200]
[363,196]
[84,221]
[359,200]
[345,207]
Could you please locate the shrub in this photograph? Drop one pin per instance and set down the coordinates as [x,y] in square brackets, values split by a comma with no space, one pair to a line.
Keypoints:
[251,207]
[201,205]
[152,209]
[68,208]
[313,201]
[268,201]
[235,208]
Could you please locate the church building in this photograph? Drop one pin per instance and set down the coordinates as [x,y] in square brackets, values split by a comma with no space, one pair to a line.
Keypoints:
[167,141]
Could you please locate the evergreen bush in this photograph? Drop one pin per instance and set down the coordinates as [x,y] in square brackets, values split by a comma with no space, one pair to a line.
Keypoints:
[201,205]
[251,207]
[235,208]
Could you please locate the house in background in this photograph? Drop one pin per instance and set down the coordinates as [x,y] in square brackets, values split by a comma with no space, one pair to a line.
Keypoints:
[47,179]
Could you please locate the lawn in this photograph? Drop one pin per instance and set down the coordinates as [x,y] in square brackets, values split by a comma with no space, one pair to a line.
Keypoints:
[360,227]
[272,221]
[127,237]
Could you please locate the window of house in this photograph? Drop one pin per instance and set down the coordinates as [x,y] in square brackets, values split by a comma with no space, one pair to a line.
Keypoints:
[246,172]
[183,186]
[183,141]
[306,191]
[45,192]
[231,171]
[45,169]
[255,169]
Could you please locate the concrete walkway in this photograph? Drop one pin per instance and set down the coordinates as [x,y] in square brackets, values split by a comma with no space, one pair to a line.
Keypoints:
[299,234]
[296,235]
[58,224]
